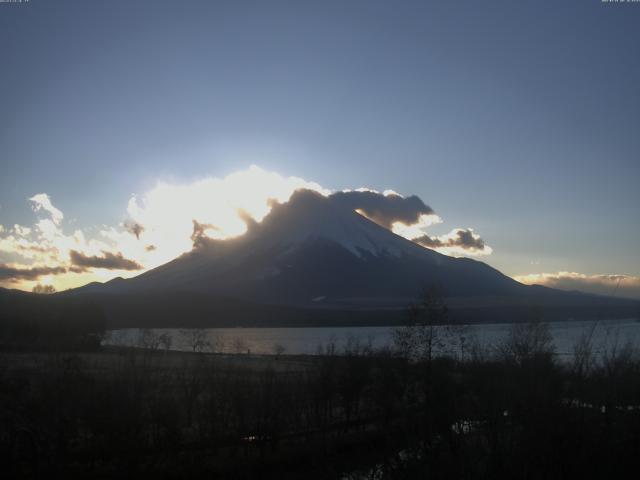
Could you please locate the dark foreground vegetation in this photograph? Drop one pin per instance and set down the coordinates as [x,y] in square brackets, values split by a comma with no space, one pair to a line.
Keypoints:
[71,409]
[514,412]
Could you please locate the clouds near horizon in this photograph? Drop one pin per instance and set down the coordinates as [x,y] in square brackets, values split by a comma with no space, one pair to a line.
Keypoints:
[604,284]
[107,260]
[459,241]
[12,273]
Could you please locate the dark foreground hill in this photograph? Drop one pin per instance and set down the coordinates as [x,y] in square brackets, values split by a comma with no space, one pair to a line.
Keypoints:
[133,413]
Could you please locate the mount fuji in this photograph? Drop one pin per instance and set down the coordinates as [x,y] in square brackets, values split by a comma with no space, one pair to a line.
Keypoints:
[310,258]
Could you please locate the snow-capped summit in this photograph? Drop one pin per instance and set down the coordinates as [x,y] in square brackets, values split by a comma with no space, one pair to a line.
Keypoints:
[309,216]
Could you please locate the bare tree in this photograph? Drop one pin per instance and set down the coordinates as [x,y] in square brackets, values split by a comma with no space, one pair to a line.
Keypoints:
[526,342]
[279,349]
[149,339]
[239,345]
[165,340]
[329,349]
[44,289]
[197,339]
[616,356]
[217,343]
[583,357]
[423,337]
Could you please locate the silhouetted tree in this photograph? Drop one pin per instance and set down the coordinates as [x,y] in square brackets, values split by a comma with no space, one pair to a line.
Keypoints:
[422,337]
[528,341]
[44,289]
[197,339]
[278,349]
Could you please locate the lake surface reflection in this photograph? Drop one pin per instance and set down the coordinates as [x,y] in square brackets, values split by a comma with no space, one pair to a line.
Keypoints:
[309,340]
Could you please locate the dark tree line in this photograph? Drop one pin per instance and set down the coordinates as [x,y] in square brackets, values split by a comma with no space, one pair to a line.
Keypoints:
[49,322]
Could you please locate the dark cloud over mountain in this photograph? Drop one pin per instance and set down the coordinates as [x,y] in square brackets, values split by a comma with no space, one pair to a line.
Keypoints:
[384,209]
[134,229]
[199,236]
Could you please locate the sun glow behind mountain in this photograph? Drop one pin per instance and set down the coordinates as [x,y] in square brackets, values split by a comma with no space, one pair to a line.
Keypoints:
[164,223]
[165,216]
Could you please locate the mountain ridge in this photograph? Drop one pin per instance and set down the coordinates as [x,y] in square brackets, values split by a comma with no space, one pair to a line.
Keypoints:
[310,262]
[312,248]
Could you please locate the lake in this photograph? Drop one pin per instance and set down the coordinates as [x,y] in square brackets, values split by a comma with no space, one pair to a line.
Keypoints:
[309,340]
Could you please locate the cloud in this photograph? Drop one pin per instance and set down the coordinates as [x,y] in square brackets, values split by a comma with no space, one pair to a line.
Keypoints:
[108,260]
[604,284]
[20,230]
[383,208]
[41,201]
[415,230]
[15,274]
[134,229]
[458,241]
[34,250]
[201,233]
[410,217]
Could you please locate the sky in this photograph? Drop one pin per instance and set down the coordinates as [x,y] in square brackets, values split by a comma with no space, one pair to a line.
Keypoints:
[517,120]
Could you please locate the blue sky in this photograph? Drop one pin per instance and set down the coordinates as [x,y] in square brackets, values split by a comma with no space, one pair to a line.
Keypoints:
[518,119]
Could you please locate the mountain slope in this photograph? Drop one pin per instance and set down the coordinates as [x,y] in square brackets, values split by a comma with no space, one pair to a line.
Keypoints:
[311,262]
[310,251]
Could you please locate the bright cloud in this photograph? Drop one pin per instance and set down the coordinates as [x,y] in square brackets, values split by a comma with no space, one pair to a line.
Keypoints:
[612,285]
[168,220]
[167,213]
[41,201]
[416,229]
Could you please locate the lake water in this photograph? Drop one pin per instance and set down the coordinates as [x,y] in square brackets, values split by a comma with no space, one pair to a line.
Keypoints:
[308,340]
